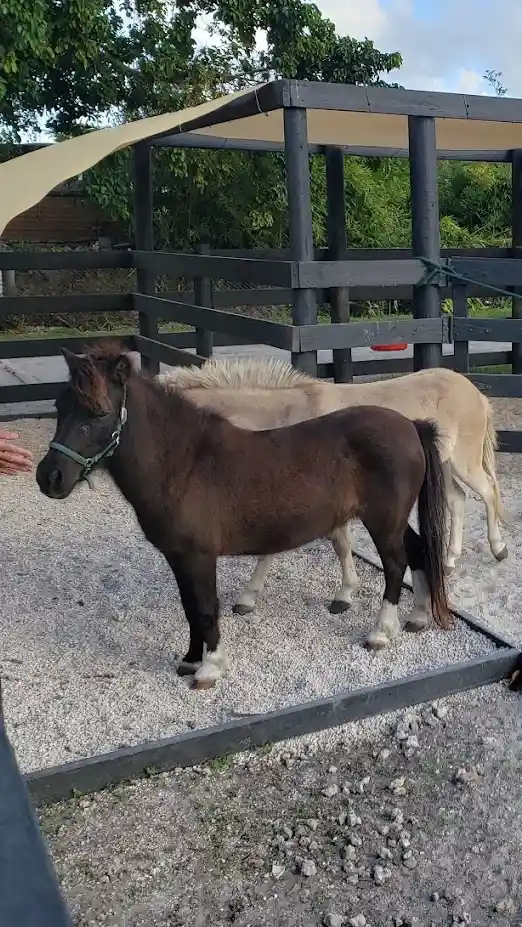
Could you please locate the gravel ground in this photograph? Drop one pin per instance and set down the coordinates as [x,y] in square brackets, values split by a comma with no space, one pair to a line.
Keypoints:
[410,820]
[92,626]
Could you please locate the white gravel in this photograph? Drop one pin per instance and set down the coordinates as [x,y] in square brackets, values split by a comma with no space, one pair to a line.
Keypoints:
[91,626]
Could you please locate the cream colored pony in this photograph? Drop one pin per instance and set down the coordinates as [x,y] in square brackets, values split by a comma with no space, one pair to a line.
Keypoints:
[268,393]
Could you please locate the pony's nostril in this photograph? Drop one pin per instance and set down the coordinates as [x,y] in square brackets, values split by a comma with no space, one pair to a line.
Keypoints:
[56,480]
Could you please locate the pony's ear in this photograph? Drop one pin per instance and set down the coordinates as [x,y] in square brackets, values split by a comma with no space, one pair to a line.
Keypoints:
[74,361]
[120,369]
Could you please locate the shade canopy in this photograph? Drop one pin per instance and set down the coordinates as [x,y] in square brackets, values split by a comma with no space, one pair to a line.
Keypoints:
[354,117]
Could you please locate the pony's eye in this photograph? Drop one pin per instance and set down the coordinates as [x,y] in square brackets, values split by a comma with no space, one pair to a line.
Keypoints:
[86,428]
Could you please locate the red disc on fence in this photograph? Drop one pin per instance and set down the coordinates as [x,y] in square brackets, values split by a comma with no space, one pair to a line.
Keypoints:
[389,347]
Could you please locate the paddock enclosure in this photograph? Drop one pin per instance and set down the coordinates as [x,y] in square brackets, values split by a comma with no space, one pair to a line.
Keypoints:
[91,617]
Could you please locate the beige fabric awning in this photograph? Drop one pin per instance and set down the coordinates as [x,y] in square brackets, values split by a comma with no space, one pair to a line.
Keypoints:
[26,180]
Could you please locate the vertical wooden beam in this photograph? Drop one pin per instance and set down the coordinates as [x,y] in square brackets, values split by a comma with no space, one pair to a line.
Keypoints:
[337,246]
[144,240]
[203,296]
[304,304]
[516,239]
[425,231]
[459,296]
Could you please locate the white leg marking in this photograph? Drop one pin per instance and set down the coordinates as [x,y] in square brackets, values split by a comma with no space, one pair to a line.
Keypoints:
[248,596]
[419,617]
[386,629]
[342,544]
[214,662]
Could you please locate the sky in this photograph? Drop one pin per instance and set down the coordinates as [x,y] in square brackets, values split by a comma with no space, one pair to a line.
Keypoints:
[446,45]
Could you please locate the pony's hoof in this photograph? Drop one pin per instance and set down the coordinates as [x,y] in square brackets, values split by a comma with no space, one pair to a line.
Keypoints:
[202,684]
[415,625]
[187,669]
[502,554]
[239,609]
[377,641]
[337,607]
[449,568]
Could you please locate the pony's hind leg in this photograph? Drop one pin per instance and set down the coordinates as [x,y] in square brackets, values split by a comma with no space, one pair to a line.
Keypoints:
[196,579]
[480,482]
[249,594]
[394,561]
[419,617]
[456,501]
[341,540]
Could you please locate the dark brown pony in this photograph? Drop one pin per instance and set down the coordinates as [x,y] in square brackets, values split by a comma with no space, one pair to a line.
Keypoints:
[203,488]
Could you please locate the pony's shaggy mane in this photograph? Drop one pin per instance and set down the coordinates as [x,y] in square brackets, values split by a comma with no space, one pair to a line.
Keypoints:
[236,373]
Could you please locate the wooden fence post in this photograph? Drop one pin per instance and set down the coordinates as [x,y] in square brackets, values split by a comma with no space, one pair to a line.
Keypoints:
[203,296]
[304,304]
[425,232]
[337,247]
[144,241]
[516,223]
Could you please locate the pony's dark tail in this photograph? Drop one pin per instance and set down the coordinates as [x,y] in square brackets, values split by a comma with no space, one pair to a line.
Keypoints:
[432,522]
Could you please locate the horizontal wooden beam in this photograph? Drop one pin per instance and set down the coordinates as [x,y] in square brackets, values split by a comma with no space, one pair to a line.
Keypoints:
[501,272]
[487,330]
[166,353]
[64,260]
[396,102]
[65,305]
[243,270]
[363,334]
[498,385]
[258,331]
[315,274]
[51,347]
[193,140]
[30,392]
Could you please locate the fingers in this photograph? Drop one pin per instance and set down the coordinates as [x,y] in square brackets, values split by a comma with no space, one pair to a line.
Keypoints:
[15,460]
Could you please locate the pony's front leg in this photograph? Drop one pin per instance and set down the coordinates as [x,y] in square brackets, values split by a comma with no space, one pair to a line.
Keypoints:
[248,596]
[394,562]
[196,578]
[341,540]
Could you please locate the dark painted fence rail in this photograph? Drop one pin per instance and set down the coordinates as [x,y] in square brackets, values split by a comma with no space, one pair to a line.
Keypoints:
[380,274]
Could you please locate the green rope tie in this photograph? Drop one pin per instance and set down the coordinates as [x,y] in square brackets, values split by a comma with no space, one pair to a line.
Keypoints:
[437,269]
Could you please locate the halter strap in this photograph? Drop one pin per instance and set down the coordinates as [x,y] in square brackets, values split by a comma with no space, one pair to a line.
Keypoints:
[88,463]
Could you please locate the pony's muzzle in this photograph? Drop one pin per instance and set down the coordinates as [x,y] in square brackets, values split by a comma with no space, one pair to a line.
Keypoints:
[50,480]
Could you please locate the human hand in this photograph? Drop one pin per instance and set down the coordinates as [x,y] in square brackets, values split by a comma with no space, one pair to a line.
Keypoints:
[13,459]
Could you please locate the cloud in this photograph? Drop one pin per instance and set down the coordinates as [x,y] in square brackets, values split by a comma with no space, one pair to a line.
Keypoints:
[445,44]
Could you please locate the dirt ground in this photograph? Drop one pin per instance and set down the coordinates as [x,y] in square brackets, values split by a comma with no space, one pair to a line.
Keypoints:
[418,824]
[419,827]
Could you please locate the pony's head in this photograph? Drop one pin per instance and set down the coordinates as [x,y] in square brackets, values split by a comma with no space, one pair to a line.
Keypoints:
[91,413]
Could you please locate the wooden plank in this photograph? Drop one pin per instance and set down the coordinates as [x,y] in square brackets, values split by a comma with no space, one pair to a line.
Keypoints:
[65,305]
[460,314]
[188,140]
[64,260]
[242,270]
[203,296]
[51,347]
[163,353]
[304,303]
[258,331]
[359,273]
[337,248]
[498,385]
[194,747]
[487,330]
[393,101]
[363,334]
[144,239]
[509,442]
[501,272]
[425,231]
[30,392]
[516,239]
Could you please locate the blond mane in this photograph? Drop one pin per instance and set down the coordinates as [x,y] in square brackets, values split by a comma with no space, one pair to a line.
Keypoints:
[236,373]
